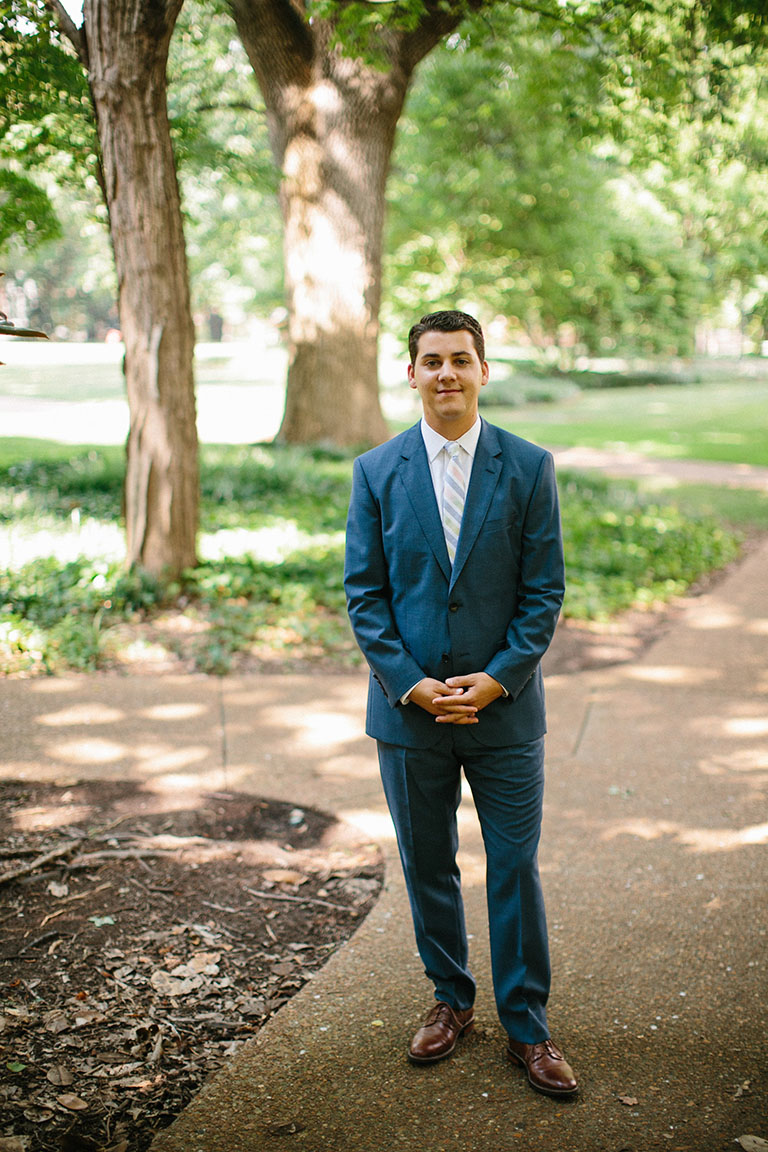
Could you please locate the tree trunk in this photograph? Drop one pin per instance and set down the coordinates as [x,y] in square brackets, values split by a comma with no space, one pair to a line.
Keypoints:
[126,50]
[332,124]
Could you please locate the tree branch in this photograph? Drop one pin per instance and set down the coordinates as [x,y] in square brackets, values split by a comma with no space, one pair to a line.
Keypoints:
[68,28]
[33,866]
[277,37]
[298,899]
[233,106]
[439,21]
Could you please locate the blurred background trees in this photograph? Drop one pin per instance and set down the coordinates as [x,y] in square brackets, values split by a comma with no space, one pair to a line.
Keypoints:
[596,177]
[589,177]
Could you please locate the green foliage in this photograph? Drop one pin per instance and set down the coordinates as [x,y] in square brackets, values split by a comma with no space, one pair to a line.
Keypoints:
[625,551]
[45,108]
[227,174]
[54,616]
[505,150]
[359,29]
[278,610]
[595,175]
[742,509]
[90,480]
[268,484]
[74,278]
[632,378]
[525,383]
[592,172]
[286,603]
[26,214]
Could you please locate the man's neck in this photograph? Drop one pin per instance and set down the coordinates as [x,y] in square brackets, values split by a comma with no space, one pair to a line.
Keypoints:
[451,429]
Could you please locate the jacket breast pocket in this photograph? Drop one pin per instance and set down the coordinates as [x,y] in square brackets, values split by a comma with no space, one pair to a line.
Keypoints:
[501,533]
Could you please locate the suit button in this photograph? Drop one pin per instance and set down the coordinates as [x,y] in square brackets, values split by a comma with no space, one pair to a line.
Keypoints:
[454,607]
[446,659]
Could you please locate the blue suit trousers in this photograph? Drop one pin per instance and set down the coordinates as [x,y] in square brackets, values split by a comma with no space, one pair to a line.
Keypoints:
[423,790]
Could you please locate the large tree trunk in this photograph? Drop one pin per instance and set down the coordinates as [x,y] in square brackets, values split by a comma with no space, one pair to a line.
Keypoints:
[332,125]
[126,50]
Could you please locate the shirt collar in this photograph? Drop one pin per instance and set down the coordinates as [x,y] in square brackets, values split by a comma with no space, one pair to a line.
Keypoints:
[434,442]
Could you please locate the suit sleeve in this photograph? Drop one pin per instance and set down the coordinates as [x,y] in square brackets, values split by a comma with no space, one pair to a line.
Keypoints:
[366,582]
[540,590]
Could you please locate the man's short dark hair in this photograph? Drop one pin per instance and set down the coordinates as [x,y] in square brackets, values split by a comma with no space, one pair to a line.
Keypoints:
[450,321]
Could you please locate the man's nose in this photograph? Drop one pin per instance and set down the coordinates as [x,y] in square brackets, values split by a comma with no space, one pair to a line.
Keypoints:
[446,372]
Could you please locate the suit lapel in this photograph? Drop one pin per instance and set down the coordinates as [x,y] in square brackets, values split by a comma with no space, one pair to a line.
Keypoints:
[482,485]
[417,481]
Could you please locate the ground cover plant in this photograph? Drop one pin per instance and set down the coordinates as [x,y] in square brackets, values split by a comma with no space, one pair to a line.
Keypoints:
[268,591]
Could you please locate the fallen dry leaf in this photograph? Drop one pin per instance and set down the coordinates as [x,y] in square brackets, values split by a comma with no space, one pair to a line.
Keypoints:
[200,963]
[59,1076]
[55,1021]
[171,986]
[630,1101]
[753,1143]
[38,1115]
[72,1102]
[284,876]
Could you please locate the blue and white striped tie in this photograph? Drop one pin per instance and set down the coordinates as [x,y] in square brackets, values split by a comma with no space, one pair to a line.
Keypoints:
[454,495]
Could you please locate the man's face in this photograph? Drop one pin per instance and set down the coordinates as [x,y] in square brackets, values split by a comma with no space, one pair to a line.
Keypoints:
[448,375]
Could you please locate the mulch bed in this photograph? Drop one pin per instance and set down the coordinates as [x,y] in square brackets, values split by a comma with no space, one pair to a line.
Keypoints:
[139,948]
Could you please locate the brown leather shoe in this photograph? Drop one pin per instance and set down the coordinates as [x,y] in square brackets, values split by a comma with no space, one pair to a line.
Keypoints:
[438,1034]
[547,1068]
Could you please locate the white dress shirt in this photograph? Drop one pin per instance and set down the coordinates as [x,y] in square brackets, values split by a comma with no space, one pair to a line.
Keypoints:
[435,443]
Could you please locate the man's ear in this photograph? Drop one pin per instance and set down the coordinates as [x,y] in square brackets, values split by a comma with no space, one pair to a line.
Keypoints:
[411,380]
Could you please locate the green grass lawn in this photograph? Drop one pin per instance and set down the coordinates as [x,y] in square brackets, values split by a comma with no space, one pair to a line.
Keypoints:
[721,415]
[96,372]
[724,420]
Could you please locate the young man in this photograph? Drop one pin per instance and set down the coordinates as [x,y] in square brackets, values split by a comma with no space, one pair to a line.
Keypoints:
[454,578]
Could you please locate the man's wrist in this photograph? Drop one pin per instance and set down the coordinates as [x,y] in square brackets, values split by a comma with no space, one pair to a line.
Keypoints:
[406,696]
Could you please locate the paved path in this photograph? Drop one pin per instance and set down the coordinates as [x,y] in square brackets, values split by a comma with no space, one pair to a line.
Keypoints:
[654,863]
[635,465]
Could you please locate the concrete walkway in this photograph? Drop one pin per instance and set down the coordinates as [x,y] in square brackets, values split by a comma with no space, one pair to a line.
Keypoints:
[654,864]
[668,472]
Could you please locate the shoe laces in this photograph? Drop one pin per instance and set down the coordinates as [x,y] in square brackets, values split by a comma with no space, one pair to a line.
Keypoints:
[547,1048]
[441,1013]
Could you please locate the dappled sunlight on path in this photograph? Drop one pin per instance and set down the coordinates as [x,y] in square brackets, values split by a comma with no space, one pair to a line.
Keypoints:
[653,858]
[634,464]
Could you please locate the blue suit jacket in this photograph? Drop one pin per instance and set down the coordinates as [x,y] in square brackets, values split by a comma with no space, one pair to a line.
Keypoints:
[494,612]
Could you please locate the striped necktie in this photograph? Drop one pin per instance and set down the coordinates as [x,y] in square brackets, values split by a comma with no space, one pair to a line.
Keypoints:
[454,495]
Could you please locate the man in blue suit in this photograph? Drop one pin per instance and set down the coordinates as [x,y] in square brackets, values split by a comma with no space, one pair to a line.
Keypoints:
[454,578]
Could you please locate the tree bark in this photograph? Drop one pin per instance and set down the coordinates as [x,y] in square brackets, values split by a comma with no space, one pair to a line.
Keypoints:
[124,45]
[332,120]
